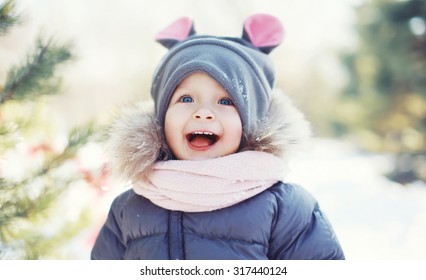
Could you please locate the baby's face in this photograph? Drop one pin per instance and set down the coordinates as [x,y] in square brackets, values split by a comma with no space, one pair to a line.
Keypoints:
[201,120]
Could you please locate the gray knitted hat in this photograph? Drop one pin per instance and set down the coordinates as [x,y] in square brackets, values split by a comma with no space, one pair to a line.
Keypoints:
[241,65]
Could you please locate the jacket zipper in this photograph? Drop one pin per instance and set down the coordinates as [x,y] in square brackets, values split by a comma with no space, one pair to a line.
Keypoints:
[175,236]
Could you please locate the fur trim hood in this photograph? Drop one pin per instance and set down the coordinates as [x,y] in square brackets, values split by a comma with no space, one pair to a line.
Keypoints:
[136,138]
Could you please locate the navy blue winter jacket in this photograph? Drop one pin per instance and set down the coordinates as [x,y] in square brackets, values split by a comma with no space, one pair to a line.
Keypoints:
[283,222]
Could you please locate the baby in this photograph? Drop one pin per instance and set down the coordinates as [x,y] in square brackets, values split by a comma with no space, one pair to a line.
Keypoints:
[208,165]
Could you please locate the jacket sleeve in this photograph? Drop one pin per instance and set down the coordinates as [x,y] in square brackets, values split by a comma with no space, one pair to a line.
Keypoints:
[109,244]
[300,230]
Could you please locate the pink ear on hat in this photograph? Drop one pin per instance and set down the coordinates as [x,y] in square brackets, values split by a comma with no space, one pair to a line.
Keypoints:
[263,31]
[178,31]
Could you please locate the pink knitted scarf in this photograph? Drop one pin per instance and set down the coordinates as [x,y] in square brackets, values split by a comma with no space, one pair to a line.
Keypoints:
[206,185]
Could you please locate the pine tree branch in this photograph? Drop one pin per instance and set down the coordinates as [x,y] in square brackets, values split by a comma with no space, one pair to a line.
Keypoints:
[22,206]
[77,138]
[22,211]
[7,16]
[36,76]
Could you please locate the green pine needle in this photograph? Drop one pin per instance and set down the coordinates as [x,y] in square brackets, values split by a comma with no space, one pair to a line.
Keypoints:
[7,16]
[36,76]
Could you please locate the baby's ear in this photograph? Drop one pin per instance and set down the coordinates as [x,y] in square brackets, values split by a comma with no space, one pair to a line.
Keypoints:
[263,31]
[178,31]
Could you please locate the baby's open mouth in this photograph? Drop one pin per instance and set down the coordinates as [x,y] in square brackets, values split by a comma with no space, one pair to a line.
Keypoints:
[202,139]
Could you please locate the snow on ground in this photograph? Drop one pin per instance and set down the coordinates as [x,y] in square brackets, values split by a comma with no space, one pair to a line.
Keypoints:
[374,218]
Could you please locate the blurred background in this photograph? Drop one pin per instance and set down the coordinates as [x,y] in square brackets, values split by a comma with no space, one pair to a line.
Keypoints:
[356,68]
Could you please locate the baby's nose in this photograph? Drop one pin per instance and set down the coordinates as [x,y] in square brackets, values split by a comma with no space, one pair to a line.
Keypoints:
[204,114]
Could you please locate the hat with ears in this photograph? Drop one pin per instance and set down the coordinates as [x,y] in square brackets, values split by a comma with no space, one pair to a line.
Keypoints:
[241,65]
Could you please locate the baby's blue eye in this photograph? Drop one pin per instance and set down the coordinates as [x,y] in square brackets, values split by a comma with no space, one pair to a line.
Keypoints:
[225,101]
[186,99]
